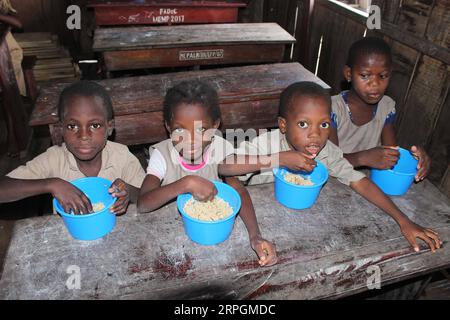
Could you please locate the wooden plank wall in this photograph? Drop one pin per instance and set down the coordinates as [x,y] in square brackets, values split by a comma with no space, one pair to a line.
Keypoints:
[418,32]
[294,17]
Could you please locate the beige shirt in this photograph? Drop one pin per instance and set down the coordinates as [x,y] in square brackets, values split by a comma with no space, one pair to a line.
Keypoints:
[353,138]
[58,162]
[174,170]
[274,141]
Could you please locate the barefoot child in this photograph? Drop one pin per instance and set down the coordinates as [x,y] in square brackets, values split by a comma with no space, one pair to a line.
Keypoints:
[363,117]
[186,161]
[86,115]
[304,124]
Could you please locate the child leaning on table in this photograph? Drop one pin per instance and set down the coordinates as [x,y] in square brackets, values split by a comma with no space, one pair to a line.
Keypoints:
[363,117]
[304,126]
[86,115]
[191,157]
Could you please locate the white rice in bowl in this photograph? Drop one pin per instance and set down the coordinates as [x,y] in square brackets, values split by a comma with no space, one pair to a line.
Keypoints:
[217,209]
[99,206]
[298,179]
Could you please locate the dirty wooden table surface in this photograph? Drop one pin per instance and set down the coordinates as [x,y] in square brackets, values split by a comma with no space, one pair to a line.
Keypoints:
[126,48]
[324,252]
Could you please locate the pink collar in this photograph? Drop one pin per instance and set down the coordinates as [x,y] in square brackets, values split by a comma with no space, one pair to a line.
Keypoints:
[196,167]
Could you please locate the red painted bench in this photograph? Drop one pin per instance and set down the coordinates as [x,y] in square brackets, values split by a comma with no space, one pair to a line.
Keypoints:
[164,12]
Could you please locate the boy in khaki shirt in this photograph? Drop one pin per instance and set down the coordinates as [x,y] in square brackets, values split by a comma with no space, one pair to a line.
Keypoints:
[86,114]
[304,123]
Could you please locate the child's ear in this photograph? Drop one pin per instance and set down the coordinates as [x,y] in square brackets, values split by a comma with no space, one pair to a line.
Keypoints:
[216,124]
[282,124]
[166,124]
[347,71]
[111,125]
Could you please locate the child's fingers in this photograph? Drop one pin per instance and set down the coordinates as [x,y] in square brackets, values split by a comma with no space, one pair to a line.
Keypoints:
[390,147]
[119,194]
[430,243]
[119,210]
[266,253]
[412,241]
[434,237]
[271,256]
[421,174]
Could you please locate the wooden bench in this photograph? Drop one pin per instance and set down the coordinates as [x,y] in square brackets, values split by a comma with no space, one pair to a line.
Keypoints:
[248,99]
[169,12]
[127,48]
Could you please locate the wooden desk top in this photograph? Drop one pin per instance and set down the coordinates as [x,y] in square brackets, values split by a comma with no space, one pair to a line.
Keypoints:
[161,3]
[133,38]
[324,252]
[143,94]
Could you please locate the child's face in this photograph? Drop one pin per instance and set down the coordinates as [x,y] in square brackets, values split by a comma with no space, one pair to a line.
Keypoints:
[369,76]
[191,130]
[307,124]
[85,127]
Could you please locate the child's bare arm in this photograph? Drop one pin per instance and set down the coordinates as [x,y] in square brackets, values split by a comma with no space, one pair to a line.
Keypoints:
[152,195]
[18,189]
[263,248]
[68,195]
[410,230]
[388,135]
[11,20]
[236,165]
[383,157]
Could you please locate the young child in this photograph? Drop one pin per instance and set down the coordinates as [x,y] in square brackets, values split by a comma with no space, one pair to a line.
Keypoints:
[304,127]
[186,161]
[86,115]
[363,117]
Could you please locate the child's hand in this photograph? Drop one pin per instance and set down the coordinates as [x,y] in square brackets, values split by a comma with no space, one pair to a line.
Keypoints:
[411,231]
[265,251]
[119,189]
[297,161]
[424,164]
[383,157]
[201,188]
[70,197]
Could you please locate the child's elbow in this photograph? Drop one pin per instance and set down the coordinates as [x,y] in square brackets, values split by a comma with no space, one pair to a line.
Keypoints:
[141,208]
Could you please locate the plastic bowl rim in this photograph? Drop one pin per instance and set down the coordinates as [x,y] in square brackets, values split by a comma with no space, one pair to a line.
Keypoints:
[277,176]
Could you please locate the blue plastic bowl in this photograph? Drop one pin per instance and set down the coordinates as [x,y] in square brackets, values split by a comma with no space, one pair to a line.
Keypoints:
[211,232]
[295,196]
[396,181]
[95,225]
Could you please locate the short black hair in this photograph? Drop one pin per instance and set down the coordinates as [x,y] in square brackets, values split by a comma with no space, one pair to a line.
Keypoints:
[367,46]
[192,92]
[85,88]
[301,89]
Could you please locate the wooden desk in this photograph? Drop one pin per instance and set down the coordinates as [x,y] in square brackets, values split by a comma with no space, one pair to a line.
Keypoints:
[168,12]
[324,252]
[248,98]
[189,45]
